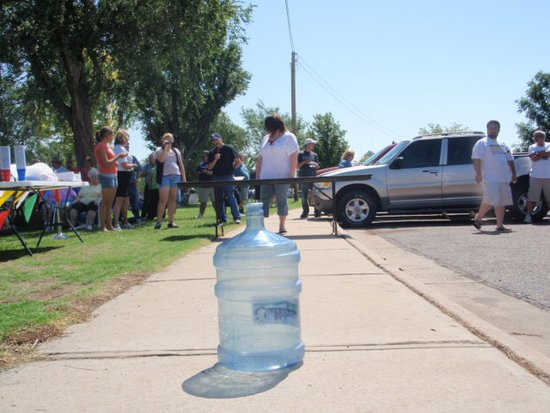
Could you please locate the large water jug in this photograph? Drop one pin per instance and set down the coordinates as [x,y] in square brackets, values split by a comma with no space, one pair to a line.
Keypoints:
[258,298]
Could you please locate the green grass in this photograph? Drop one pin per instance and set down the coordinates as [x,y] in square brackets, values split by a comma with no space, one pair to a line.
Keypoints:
[65,279]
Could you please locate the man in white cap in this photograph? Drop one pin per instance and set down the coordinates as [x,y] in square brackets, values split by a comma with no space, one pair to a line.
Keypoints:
[307,166]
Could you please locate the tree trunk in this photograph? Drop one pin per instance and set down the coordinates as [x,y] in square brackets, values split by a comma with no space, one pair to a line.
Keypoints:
[79,115]
[81,125]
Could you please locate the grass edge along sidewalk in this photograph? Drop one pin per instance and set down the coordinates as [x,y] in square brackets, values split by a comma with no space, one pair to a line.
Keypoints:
[65,280]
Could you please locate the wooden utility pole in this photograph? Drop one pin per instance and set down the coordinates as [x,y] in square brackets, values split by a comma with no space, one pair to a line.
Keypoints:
[293,92]
[293,107]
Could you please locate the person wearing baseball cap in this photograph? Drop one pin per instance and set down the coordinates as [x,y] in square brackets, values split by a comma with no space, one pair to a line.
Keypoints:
[222,161]
[307,166]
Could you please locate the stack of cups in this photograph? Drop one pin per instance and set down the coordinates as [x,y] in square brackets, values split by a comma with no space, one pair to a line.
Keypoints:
[21,162]
[5,162]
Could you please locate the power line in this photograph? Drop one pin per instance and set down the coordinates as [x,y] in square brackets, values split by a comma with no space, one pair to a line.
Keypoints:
[289,26]
[345,102]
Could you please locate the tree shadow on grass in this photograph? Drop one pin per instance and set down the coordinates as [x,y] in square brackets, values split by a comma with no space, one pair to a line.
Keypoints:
[174,238]
[13,254]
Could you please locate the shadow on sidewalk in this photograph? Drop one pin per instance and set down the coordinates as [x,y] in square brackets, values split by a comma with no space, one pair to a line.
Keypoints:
[317,236]
[219,382]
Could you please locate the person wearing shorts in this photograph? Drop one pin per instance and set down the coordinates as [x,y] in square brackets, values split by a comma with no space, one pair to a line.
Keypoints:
[278,160]
[107,165]
[125,167]
[539,176]
[170,173]
[494,168]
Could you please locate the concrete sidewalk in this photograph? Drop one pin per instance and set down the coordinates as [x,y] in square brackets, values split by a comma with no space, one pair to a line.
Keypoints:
[372,345]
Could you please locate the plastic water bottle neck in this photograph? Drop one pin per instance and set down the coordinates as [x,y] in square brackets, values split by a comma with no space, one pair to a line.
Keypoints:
[254,217]
[254,222]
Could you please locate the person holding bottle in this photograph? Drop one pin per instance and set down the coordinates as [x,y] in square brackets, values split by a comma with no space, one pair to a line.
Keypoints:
[170,172]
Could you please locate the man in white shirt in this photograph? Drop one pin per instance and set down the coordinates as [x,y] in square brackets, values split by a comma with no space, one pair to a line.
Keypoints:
[539,176]
[495,169]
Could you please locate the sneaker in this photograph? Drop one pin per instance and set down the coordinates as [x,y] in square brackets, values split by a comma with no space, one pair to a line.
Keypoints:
[303,216]
[157,225]
[476,222]
[200,216]
[117,227]
[237,221]
[527,219]
[81,226]
[503,229]
[127,226]
[172,225]
[89,228]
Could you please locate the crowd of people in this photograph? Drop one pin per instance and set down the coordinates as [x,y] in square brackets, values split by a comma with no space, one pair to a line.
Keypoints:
[495,170]
[113,189]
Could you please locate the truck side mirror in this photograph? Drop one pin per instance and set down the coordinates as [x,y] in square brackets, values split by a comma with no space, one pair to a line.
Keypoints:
[397,163]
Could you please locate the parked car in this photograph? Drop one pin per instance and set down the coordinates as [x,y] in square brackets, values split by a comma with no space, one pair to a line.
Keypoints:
[371,160]
[431,174]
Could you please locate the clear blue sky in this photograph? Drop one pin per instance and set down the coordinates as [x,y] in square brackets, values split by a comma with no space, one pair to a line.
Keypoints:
[396,65]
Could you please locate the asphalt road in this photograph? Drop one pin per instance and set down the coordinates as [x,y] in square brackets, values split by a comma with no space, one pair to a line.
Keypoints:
[515,263]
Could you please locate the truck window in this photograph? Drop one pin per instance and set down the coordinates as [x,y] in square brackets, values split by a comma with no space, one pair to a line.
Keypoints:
[421,154]
[460,150]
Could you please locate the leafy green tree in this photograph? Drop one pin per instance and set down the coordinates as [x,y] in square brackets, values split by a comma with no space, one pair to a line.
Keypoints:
[434,128]
[60,49]
[25,122]
[93,63]
[184,65]
[330,137]
[535,104]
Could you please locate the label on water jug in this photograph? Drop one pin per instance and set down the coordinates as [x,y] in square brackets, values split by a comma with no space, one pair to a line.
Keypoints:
[279,312]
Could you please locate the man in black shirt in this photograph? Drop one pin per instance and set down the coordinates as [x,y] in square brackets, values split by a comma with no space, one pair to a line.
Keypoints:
[222,160]
[307,166]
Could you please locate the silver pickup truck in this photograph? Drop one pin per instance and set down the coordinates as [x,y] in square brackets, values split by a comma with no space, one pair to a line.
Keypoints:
[428,174]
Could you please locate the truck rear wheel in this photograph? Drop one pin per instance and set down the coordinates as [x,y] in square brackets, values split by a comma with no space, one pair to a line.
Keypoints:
[519,208]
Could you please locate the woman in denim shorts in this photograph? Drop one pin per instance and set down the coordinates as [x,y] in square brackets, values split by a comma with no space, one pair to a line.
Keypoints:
[169,162]
[107,165]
